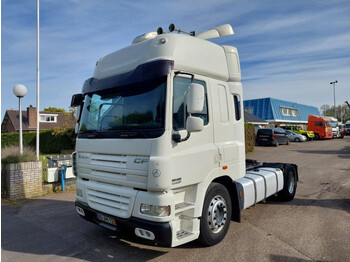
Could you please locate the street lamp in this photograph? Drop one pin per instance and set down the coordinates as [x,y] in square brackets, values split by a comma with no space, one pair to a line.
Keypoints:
[20,91]
[333,83]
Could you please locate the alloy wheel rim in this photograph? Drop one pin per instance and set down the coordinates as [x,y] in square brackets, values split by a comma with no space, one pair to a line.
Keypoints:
[217,214]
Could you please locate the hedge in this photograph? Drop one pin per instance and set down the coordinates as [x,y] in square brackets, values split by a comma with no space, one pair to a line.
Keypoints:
[56,140]
[249,132]
[51,141]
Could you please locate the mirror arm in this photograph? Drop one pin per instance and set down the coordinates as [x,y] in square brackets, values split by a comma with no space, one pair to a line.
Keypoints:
[184,73]
[177,137]
[80,112]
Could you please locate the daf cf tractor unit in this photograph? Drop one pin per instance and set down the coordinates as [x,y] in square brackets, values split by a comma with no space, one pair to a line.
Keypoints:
[160,147]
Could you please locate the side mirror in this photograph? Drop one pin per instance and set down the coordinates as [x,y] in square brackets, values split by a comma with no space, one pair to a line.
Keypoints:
[194,124]
[195,98]
[77,100]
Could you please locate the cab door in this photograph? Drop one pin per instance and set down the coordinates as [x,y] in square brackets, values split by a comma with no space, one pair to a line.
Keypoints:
[195,156]
[228,126]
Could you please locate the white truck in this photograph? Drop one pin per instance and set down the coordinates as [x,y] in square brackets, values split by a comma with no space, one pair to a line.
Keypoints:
[335,127]
[160,144]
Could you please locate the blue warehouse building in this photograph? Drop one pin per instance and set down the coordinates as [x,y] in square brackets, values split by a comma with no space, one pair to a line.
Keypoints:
[280,112]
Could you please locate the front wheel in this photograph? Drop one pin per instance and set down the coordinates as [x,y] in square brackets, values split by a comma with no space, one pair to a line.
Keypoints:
[290,184]
[297,139]
[216,215]
[317,137]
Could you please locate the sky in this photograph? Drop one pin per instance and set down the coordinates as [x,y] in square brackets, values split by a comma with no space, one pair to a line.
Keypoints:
[289,49]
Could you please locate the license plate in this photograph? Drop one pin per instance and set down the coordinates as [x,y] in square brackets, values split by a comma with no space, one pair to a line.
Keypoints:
[106,219]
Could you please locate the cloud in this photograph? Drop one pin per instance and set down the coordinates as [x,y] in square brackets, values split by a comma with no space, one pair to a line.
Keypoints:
[288,49]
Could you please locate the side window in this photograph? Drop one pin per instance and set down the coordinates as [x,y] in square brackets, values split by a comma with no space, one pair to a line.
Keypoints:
[278,131]
[237,105]
[179,112]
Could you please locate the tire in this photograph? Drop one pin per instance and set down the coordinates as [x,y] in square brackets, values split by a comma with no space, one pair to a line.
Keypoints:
[290,184]
[287,143]
[317,137]
[276,145]
[217,208]
[297,139]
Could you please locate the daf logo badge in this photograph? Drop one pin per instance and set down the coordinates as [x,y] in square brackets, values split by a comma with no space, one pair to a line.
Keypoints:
[156,173]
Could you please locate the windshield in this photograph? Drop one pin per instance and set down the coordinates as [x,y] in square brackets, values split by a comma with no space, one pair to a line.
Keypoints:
[334,124]
[347,125]
[328,123]
[131,111]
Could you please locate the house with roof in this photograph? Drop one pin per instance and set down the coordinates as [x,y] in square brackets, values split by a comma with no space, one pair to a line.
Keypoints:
[280,112]
[47,120]
[256,121]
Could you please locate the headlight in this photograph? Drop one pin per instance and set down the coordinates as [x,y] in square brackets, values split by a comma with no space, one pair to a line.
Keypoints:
[151,210]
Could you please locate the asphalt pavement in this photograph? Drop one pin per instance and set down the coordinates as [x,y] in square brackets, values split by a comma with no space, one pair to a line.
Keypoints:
[315,226]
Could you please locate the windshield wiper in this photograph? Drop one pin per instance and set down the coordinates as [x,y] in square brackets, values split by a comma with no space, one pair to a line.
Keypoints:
[90,133]
[86,131]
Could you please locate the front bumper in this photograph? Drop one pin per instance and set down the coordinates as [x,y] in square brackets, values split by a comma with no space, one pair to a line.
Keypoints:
[161,230]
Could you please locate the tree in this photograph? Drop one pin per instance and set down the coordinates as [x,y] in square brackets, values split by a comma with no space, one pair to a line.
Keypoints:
[324,109]
[343,112]
[54,109]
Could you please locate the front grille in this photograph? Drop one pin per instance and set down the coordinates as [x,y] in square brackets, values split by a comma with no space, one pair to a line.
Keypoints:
[111,199]
[109,161]
[114,169]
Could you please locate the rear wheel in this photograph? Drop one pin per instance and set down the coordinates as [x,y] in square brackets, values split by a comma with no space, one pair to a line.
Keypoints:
[317,136]
[216,215]
[290,184]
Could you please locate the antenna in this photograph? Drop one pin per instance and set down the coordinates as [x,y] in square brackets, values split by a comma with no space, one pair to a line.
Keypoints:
[172,28]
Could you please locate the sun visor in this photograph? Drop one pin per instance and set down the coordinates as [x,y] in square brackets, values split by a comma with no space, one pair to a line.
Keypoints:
[142,72]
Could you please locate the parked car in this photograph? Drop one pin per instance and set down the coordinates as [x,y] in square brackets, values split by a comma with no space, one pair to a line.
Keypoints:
[297,129]
[294,137]
[272,136]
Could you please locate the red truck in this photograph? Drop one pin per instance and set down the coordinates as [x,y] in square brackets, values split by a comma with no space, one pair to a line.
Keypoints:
[320,126]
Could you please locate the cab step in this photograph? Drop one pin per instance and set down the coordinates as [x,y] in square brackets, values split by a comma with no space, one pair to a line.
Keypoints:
[182,234]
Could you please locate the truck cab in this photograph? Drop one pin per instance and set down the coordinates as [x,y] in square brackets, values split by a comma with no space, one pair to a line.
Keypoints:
[335,127]
[320,126]
[160,141]
[347,128]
